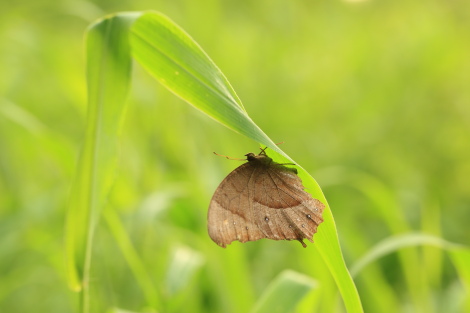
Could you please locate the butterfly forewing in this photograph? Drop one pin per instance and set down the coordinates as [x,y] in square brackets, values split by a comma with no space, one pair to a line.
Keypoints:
[228,217]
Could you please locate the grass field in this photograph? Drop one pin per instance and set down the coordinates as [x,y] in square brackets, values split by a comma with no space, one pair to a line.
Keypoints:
[370,97]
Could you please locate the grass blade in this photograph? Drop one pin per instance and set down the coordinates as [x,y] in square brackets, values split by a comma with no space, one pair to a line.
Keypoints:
[108,75]
[179,63]
[459,254]
[284,293]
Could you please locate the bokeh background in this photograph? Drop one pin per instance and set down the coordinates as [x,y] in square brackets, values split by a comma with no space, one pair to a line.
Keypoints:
[371,97]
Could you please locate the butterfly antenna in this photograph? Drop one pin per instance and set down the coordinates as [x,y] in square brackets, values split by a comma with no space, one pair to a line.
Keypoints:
[263,149]
[277,144]
[229,158]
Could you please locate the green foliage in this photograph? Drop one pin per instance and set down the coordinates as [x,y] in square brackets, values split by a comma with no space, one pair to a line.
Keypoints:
[181,65]
[284,292]
[371,99]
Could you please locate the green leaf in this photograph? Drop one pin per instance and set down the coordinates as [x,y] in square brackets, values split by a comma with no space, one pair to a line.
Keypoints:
[459,254]
[108,76]
[179,63]
[284,293]
[395,243]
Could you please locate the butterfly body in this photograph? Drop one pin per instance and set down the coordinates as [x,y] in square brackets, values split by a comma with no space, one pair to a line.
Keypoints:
[262,199]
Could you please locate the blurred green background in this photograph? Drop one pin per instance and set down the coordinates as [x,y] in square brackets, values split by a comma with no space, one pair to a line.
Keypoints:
[371,97]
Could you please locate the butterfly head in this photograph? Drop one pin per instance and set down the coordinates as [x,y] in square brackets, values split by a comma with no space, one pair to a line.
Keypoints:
[258,158]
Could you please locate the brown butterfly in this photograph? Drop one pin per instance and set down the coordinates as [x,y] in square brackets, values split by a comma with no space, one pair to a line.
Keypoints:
[263,199]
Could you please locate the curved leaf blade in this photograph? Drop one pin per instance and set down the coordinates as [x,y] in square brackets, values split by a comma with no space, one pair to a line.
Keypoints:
[180,64]
[108,77]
